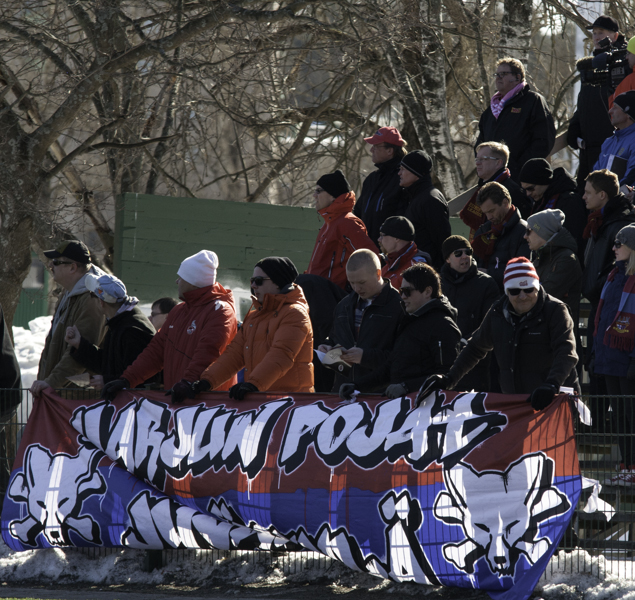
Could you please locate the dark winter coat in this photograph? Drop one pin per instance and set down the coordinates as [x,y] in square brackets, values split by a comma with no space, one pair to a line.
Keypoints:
[561,194]
[127,335]
[510,244]
[559,270]
[397,262]
[535,348]
[380,197]
[377,333]
[525,125]
[428,211]
[9,370]
[598,255]
[429,342]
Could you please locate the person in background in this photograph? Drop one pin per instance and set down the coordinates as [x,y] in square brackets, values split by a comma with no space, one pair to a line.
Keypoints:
[160,310]
[396,241]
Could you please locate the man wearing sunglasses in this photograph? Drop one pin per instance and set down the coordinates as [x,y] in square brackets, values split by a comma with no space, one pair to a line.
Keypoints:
[531,335]
[70,263]
[517,116]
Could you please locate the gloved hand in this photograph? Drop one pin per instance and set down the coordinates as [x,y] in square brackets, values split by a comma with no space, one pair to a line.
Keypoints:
[112,388]
[240,390]
[396,390]
[180,391]
[432,384]
[543,396]
[630,374]
[200,386]
[346,391]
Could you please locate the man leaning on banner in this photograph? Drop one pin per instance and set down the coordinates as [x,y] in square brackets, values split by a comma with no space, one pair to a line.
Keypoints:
[531,334]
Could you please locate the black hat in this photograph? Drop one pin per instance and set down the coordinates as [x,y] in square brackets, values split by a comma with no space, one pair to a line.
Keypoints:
[605,22]
[453,243]
[334,183]
[417,162]
[537,171]
[398,227]
[626,102]
[73,250]
[280,268]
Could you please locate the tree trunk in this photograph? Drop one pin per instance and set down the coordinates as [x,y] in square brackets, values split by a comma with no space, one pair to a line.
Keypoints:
[515,36]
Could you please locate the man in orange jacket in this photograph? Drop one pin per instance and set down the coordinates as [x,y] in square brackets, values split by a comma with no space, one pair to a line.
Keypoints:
[342,232]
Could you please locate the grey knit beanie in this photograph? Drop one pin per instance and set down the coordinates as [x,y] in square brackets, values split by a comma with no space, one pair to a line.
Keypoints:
[626,236]
[546,223]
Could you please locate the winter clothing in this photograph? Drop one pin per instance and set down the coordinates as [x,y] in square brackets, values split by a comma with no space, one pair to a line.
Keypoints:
[195,334]
[525,125]
[627,84]
[397,262]
[127,335]
[9,373]
[604,22]
[274,345]
[334,184]
[546,223]
[280,268]
[626,236]
[536,170]
[73,250]
[428,342]
[74,308]
[452,244]
[108,288]
[621,145]
[418,163]
[428,211]
[341,234]
[386,135]
[520,274]
[626,101]
[399,228]
[531,349]
[380,197]
[200,269]
[510,244]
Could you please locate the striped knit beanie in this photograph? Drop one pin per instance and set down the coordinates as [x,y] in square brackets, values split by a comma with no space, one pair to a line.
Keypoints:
[520,273]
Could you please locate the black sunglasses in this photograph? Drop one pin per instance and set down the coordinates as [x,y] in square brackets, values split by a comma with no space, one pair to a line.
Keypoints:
[406,291]
[467,251]
[516,291]
[57,262]
[617,244]
[258,281]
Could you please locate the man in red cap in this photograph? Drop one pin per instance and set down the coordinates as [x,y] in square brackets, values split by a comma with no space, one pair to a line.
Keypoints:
[380,196]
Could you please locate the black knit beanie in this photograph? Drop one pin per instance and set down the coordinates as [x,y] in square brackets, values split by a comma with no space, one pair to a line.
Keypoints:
[398,227]
[417,162]
[334,183]
[537,171]
[280,268]
[453,243]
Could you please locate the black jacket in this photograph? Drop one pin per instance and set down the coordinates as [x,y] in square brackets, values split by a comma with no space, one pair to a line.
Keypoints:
[525,125]
[598,255]
[535,348]
[562,194]
[377,333]
[10,377]
[510,244]
[429,213]
[380,197]
[127,335]
[429,342]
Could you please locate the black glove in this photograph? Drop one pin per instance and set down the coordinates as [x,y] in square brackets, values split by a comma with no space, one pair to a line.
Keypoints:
[432,384]
[200,386]
[346,391]
[396,390]
[112,388]
[630,374]
[543,396]
[240,390]
[180,391]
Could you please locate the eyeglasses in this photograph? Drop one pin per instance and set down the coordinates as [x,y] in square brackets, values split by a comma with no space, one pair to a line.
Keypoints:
[529,231]
[617,245]
[529,188]
[318,191]
[258,281]
[57,262]
[480,159]
[466,251]
[502,74]
[516,291]
[406,291]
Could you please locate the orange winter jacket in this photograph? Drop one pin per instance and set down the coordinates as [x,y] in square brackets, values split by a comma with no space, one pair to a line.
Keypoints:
[194,335]
[275,345]
[341,234]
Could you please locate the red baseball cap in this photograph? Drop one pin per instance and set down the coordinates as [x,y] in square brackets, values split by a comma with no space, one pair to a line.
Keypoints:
[386,135]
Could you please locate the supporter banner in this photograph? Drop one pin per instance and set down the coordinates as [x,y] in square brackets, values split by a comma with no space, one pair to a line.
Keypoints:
[472,490]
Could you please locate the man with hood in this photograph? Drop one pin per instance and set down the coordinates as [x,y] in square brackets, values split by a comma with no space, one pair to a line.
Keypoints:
[195,333]
[555,189]
[342,232]
[70,263]
[429,340]
[274,344]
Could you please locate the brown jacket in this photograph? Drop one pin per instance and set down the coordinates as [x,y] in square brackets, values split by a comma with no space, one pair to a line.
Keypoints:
[275,345]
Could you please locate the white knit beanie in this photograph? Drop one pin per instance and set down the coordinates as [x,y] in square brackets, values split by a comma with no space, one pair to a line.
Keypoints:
[199,270]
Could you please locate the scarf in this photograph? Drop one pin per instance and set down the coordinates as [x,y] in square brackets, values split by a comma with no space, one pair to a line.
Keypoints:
[621,333]
[498,102]
[483,245]
[542,205]
[594,222]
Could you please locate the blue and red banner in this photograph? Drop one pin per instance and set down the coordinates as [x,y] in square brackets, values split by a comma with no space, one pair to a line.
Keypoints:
[470,489]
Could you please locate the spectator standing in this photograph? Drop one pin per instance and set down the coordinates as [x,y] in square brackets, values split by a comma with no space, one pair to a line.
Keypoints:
[491,165]
[396,241]
[128,331]
[275,343]
[380,196]
[70,264]
[517,116]
[427,209]
[628,83]
[195,333]
[501,238]
[555,189]
[342,232]
[472,293]
[160,310]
